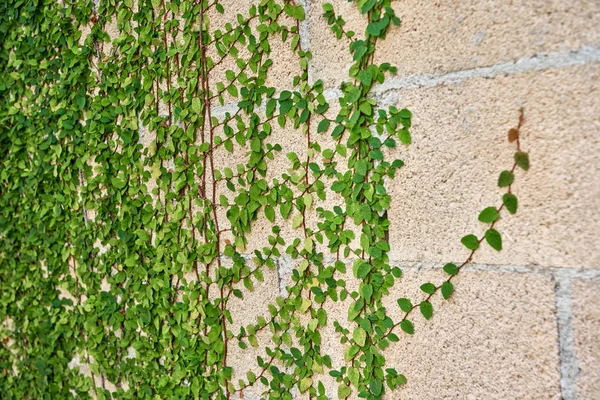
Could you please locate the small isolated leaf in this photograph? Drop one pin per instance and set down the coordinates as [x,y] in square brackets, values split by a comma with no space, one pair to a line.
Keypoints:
[471,242]
[405,304]
[494,239]
[297,221]
[407,327]
[426,309]
[510,202]
[447,289]
[270,213]
[428,288]
[513,134]
[451,269]
[360,336]
[323,126]
[489,214]
[522,160]
[506,178]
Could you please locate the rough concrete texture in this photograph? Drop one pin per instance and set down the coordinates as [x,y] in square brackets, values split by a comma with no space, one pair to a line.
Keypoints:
[459,148]
[445,36]
[496,338]
[586,332]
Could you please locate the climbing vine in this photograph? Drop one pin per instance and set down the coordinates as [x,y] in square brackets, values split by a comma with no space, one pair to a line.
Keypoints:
[141,142]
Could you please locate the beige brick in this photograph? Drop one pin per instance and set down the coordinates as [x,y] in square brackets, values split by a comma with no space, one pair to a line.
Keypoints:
[496,338]
[586,330]
[331,57]
[459,148]
[444,35]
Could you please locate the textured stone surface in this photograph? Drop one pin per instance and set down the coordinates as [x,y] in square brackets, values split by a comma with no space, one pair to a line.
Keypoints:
[586,331]
[459,148]
[496,338]
[445,35]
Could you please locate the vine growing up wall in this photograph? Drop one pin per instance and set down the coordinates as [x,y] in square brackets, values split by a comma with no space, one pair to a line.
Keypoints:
[128,207]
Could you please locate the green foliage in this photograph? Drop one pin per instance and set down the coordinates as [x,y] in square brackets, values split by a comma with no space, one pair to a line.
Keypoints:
[126,206]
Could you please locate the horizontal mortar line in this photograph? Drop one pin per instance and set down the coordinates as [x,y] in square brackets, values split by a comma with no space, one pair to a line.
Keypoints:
[562,272]
[543,61]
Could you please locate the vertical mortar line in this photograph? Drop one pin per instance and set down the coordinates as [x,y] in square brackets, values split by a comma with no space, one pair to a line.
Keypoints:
[569,370]
[279,282]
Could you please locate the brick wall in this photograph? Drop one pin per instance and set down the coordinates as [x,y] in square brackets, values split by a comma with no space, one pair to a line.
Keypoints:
[523,323]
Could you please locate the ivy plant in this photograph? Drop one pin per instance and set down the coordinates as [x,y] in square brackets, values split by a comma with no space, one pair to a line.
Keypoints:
[128,206]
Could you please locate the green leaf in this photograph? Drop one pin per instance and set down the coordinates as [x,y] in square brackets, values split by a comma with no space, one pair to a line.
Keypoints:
[363,270]
[376,386]
[366,291]
[426,309]
[270,213]
[255,145]
[447,289]
[407,327]
[353,376]
[451,269]
[489,214]
[360,336]
[404,113]
[353,95]
[305,384]
[470,241]
[197,105]
[373,29]
[494,239]
[343,390]
[405,305]
[428,288]
[506,178]
[338,186]
[297,221]
[80,102]
[404,136]
[323,126]
[366,108]
[522,160]
[510,202]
